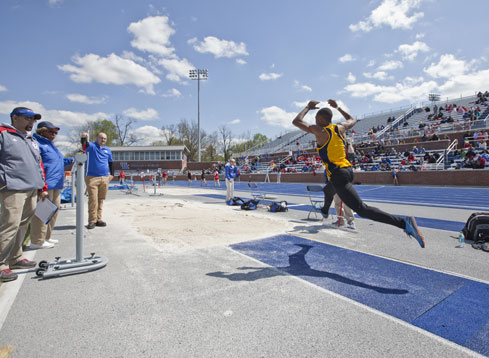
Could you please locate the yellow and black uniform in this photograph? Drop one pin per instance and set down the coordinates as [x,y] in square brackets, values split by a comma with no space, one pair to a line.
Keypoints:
[333,152]
[340,177]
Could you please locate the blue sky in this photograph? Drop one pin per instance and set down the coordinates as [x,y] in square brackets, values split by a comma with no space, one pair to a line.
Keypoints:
[80,60]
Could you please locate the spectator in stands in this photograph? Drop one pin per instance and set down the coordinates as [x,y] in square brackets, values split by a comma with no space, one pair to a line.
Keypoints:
[54,165]
[434,137]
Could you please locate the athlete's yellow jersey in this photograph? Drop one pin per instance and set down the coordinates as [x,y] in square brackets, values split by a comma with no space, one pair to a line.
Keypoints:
[333,152]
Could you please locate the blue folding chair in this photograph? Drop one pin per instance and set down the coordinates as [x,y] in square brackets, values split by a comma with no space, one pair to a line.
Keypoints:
[256,193]
[316,204]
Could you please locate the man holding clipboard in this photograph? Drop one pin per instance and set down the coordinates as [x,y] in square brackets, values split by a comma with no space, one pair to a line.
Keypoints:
[21,180]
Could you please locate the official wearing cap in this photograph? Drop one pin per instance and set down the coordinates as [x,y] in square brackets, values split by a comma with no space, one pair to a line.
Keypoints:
[21,179]
[54,165]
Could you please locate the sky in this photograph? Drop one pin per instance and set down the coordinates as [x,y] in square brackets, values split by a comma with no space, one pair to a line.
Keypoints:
[75,61]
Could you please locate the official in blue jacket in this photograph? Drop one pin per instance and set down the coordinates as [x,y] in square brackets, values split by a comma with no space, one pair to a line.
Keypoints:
[54,168]
[231,173]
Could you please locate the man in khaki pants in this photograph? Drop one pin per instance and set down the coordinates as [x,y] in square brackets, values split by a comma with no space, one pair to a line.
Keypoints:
[99,172]
[21,180]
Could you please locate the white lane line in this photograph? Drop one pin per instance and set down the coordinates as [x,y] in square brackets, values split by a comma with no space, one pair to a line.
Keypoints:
[370,309]
[9,290]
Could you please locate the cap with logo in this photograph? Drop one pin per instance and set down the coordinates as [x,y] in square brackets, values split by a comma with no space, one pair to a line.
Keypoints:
[46,124]
[27,112]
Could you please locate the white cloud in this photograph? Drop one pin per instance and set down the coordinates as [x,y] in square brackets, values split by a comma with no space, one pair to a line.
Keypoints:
[390,65]
[55,2]
[172,93]
[419,36]
[240,61]
[178,69]
[380,75]
[270,76]
[302,87]
[408,90]
[351,77]
[393,13]
[219,48]
[409,52]
[447,67]
[148,134]
[149,114]
[110,70]
[61,118]
[2,88]
[81,98]
[276,116]
[371,63]
[346,58]
[152,35]
[235,121]
[465,84]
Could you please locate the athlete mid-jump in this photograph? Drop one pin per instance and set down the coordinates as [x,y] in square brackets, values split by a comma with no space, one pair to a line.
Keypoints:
[331,144]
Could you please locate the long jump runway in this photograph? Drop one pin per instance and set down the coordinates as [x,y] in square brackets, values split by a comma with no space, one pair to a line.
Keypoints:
[449,306]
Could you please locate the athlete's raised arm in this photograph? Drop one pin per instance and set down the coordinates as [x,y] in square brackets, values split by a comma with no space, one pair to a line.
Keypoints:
[350,121]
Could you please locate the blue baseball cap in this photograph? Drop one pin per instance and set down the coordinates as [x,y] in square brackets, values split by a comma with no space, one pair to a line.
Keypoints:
[46,124]
[27,112]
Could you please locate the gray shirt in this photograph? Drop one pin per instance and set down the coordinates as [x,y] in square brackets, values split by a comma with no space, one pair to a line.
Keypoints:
[20,160]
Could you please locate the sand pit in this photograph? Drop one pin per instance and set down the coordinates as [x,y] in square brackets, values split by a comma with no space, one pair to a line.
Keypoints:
[176,223]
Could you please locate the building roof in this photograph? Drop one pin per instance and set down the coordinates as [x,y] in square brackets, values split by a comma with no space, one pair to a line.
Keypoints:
[149,148]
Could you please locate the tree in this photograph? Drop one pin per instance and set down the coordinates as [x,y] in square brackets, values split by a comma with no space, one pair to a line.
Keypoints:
[170,134]
[94,128]
[248,142]
[187,133]
[210,151]
[226,139]
[122,126]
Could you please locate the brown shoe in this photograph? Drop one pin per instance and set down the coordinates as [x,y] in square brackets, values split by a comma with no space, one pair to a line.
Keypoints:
[91,226]
[23,264]
[6,275]
[100,223]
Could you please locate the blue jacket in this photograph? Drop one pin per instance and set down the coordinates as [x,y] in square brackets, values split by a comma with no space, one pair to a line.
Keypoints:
[54,163]
[98,160]
[231,172]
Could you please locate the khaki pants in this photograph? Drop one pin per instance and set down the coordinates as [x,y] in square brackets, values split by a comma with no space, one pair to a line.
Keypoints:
[346,212]
[40,231]
[229,189]
[16,211]
[97,192]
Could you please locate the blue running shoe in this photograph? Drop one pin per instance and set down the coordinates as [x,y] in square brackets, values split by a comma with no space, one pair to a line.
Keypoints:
[412,230]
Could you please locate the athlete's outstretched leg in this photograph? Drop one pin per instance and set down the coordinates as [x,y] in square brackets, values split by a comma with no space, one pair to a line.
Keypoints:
[342,180]
[329,192]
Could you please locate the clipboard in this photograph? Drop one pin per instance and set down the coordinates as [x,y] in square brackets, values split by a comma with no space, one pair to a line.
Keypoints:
[45,210]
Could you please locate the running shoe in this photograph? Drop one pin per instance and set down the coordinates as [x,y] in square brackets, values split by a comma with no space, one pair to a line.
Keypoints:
[412,230]
[335,223]
[351,225]
[325,214]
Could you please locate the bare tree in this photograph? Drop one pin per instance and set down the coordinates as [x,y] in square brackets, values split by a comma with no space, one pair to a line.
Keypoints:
[226,139]
[123,125]
[170,134]
[187,133]
[210,148]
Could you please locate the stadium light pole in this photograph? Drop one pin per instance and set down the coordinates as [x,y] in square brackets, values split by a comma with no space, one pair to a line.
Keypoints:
[198,75]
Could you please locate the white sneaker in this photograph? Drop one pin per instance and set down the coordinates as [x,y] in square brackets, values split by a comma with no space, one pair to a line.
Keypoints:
[351,225]
[52,241]
[335,223]
[45,245]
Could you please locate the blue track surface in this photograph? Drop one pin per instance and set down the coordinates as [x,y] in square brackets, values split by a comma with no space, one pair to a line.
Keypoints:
[438,224]
[449,306]
[444,197]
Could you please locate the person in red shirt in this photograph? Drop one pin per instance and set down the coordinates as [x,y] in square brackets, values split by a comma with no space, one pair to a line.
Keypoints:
[164,175]
[122,177]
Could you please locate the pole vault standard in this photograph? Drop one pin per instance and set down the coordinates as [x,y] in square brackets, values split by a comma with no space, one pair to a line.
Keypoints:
[80,264]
